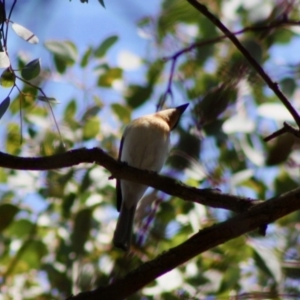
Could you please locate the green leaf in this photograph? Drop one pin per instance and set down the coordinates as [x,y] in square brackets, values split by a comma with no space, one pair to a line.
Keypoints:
[109,76]
[63,49]
[91,112]
[280,149]
[137,95]
[255,48]
[32,255]
[60,64]
[230,279]
[102,3]
[65,53]
[122,112]
[154,71]
[48,99]
[67,204]
[3,176]
[86,57]
[81,230]
[4,60]
[4,106]
[8,78]
[70,111]
[105,45]
[24,33]
[288,86]
[19,228]
[175,12]
[91,128]
[7,214]
[267,261]
[32,69]
[13,139]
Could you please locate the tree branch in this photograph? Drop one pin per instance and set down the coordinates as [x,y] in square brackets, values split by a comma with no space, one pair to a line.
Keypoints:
[272,85]
[264,213]
[120,170]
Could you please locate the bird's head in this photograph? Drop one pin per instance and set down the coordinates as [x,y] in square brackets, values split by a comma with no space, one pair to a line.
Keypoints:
[172,115]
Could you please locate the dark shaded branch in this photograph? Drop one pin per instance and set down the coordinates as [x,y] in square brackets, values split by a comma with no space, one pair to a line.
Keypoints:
[120,170]
[272,85]
[286,128]
[277,24]
[206,239]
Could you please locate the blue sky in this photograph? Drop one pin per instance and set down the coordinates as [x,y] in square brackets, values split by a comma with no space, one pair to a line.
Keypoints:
[82,23]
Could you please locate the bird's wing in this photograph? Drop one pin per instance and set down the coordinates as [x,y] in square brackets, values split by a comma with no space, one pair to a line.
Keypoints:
[118,184]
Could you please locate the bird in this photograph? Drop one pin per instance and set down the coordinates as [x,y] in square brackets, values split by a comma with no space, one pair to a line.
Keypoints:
[144,145]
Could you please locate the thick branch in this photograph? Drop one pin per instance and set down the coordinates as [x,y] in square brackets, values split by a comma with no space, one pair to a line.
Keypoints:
[272,85]
[206,239]
[120,170]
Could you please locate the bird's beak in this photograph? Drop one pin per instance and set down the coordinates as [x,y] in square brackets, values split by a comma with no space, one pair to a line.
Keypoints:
[182,108]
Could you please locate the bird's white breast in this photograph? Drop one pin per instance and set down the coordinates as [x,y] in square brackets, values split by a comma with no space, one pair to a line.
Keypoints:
[145,145]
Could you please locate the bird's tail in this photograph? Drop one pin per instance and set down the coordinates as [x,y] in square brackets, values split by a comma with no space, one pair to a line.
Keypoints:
[123,232]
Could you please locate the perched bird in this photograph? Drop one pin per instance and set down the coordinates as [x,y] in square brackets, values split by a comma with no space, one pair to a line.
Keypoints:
[144,145]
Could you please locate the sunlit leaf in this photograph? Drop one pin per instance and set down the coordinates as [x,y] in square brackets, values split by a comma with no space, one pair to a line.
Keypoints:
[274,111]
[174,12]
[32,255]
[238,123]
[20,228]
[32,69]
[4,106]
[64,49]
[109,77]
[48,99]
[267,260]
[91,128]
[4,60]
[70,110]
[7,78]
[13,139]
[105,45]
[25,34]
[122,112]
[3,176]
[65,53]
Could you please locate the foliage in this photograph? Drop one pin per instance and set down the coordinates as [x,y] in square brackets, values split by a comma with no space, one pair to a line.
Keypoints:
[59,242]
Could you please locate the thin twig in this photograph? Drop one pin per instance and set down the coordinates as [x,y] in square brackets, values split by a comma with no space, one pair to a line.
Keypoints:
[272,85]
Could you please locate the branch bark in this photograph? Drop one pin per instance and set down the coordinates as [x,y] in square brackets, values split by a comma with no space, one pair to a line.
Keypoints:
[231,36]
[206,239]
[120,170]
